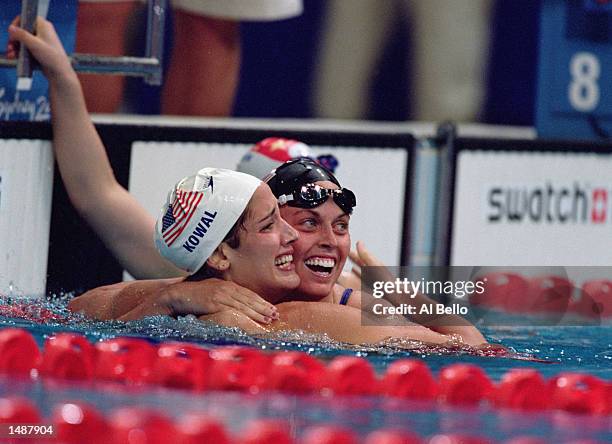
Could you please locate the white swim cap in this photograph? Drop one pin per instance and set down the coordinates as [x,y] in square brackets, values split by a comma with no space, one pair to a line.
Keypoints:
[199,212]
[271,153]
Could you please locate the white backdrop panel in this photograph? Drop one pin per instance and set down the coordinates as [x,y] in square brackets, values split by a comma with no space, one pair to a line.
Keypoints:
[377,176]
[26,185]
[539,209]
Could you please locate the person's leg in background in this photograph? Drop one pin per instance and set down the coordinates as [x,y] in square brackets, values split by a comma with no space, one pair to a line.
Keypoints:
[203,75]
[204,66]
[101,28]
[354,35]
[450,52]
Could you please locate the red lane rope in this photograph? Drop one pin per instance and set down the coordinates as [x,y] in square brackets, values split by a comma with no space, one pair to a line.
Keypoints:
[546,294]
[79,422]
[132,361]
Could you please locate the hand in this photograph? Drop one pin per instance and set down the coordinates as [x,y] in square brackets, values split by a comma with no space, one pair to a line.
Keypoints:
[449,324]
[45,46]
[361,257]
[215,295]
[493,349]
[352,279]
[457,326]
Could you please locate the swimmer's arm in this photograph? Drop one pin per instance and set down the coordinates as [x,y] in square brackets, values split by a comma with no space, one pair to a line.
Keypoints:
[448,324]
[96,303]
[117,217]
[445,324]
[177,297]
[344,324]
[469,334]
[233,318]
[339,322]
[117,300]
[174,297]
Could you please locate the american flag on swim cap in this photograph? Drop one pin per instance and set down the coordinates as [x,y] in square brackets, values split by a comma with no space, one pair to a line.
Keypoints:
[194,220]
[168,220]
[179,213]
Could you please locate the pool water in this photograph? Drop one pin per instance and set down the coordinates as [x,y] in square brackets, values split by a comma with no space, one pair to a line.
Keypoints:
[586,349]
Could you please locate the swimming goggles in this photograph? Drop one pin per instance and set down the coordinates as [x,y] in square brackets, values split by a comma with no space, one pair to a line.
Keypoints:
[311,195]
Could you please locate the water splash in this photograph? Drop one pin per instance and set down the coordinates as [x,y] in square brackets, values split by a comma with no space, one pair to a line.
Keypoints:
[55,313]
[569,344]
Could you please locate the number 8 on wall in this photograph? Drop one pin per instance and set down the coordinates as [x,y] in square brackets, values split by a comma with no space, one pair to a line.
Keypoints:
[574,76]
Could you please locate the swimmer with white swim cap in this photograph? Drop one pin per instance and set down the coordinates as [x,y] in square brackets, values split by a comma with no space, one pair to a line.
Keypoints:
[127,229]
[226,225]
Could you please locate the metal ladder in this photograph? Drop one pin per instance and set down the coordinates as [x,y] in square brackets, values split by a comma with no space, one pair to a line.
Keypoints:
[149,67]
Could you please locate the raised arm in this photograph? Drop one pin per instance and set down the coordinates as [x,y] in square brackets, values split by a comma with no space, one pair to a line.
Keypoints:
[121,222]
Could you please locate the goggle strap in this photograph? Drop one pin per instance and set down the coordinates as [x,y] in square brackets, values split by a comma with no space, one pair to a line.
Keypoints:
[284,198]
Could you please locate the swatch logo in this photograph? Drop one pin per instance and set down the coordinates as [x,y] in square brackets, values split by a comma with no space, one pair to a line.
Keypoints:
[548,204]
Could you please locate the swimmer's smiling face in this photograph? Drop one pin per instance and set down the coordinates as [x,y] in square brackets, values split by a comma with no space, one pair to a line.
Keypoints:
[263,261]
[323,245]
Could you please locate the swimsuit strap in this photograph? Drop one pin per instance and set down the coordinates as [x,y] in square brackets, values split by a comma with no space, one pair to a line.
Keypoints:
[346,294]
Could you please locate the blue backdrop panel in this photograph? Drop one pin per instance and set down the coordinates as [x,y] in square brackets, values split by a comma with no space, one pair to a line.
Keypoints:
[33,104]
[575,70]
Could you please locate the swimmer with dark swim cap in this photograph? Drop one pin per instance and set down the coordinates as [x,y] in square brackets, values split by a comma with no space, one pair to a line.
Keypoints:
[315,204]
[127,228]
[319,208]
[226,225]
[295,184]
